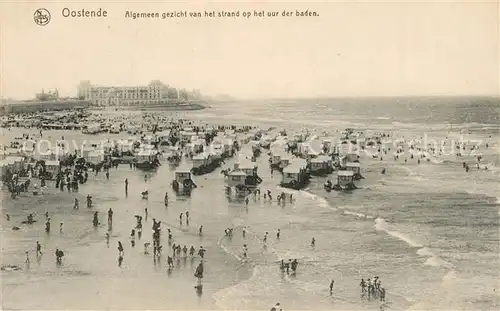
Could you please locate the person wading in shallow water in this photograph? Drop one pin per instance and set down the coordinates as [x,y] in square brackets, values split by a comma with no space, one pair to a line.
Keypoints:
[199,274]
[201,252]
[95,221]
[110,217]
[38,249]
[120,249]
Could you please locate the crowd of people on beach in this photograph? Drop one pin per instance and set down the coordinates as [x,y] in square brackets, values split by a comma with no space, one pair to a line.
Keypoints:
[135,232]
[78,174]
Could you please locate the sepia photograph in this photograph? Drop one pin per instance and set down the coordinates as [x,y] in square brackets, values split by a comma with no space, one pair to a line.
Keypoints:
[250,155]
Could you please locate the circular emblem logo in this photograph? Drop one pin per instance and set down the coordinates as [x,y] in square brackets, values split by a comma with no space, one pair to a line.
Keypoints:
[41,17]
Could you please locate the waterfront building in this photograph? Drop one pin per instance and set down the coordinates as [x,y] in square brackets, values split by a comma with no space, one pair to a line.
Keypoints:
[44,101]
[154,93]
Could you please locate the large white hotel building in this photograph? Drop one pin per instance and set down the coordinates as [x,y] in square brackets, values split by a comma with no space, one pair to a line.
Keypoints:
[153,93]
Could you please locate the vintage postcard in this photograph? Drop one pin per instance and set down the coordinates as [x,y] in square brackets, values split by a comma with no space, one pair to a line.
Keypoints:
[250,155]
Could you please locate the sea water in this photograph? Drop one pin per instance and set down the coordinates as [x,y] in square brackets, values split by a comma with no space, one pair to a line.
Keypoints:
[429,230]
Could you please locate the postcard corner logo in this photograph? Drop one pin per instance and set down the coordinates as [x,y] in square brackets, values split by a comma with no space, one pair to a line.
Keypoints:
[41,17]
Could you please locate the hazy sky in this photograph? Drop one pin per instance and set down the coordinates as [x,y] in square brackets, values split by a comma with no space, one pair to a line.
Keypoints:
[378,48]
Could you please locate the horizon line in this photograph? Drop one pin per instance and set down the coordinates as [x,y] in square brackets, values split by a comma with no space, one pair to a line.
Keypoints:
[228,97]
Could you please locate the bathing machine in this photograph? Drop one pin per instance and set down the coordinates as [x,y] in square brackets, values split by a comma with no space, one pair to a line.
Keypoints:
[321,165]
[147,159]
[295,176]
[183,182]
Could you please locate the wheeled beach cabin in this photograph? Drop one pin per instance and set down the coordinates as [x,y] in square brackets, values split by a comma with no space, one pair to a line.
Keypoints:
[182,174]
[291,174]
[205,162]
[355,167]
[249,168]
[294,177]
[321,165]
[235,178]
[183,180]
[145,156]
[345,178]
[238,180]
[201,160]
[284,161]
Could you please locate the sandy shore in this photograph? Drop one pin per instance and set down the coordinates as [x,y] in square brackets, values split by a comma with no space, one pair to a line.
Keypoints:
[90,277]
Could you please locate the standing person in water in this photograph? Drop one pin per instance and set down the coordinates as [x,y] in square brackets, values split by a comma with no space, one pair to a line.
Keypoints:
[187,217]
[199,274]
[89,200]
[313,242]
[362,284]
[77,204]
[38,249]
[201,252]
[245,250]
[110,217]
[180,218]
[95,221]
[278,234]
[166,199]
[200,231]
[331,286]
[120,249]
[47,226]
[126,186]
